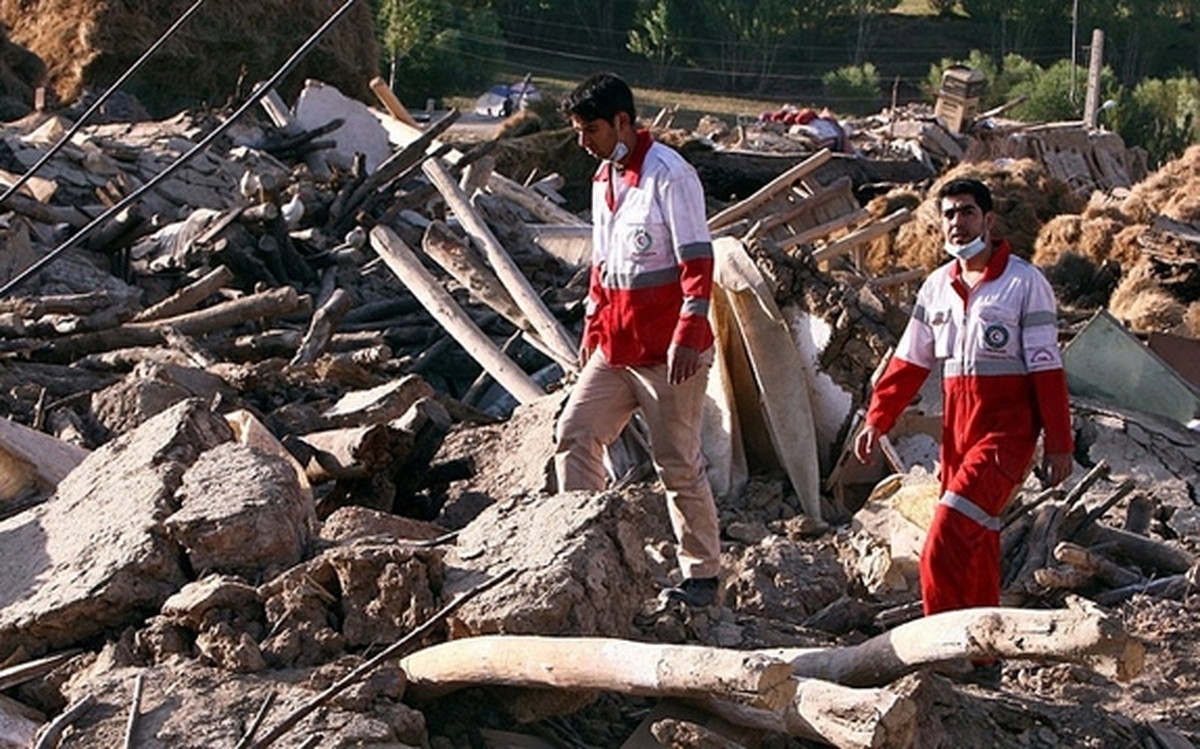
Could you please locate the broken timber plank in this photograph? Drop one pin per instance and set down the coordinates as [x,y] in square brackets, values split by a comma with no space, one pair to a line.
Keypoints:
[549,329]
[390,102]
[405,264]
[29,457]
[865,234]
[764,194]
[596,663]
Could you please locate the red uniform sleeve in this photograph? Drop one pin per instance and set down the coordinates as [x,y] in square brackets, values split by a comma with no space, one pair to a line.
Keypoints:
[1050,390]
[695,279]
[894,391]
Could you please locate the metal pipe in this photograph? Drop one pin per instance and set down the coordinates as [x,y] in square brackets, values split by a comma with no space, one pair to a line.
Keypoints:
[66,138]
[255,97]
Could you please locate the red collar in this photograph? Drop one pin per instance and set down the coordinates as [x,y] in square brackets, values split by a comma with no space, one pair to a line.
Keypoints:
[631,173]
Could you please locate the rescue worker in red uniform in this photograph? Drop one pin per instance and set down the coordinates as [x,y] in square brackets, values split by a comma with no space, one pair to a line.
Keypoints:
[988,318]
[647,344]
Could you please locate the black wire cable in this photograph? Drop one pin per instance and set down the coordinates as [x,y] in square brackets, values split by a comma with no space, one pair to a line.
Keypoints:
[261,91]
[66,138]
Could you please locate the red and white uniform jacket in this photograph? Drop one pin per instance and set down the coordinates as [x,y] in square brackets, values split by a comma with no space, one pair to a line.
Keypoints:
[652,261]
[1003,380]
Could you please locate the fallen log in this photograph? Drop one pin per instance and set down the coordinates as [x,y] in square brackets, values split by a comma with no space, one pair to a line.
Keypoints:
[188,297]
[1173,586]
[1145,552]
[531,201]
[446,311]
[320,330]
[1082,632]
[595,663]
[456,258]
[269,304]
[833,714]
[1109,572]
[549,329]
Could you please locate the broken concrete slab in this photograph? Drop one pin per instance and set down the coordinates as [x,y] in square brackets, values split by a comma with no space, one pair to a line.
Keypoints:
[368,592]
[360,133]
[580,566]
[148,390]
[18,726]
[349,523]
[94,556]
[189,705]
[242,511]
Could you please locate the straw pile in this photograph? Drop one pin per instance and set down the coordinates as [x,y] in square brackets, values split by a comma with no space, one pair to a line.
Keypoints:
[224,46]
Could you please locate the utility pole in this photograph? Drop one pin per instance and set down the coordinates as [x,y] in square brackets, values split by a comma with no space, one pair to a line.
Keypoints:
[1092,101]
[1074,47]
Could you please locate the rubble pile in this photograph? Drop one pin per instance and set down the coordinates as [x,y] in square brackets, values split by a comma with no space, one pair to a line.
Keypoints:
[278,442]
[90,43]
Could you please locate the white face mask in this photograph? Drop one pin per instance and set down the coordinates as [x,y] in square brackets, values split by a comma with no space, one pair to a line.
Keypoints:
[619,152]
[966,251]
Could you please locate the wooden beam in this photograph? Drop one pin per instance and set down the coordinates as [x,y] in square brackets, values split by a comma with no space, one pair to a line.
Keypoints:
[598,663]
[390,102]
[865,234]
[405,264]
[549,329]
[768,191]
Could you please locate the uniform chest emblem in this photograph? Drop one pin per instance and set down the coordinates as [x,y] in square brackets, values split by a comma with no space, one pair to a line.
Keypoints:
[995,336]
[642,240]
[939,318]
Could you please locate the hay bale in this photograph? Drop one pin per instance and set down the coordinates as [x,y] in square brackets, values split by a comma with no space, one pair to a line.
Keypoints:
[1144,305]
[1092,237]
[90,43]
[1175,185]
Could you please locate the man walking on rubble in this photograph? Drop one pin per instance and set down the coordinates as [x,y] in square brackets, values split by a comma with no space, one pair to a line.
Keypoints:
[989,318]
[646,341]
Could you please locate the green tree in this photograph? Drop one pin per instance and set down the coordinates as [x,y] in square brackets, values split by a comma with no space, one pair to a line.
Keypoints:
[853,89]
[1161,116]
[746,37]
[438,46]
[654,37]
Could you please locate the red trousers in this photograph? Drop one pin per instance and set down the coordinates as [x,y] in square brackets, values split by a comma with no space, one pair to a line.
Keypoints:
[960,562]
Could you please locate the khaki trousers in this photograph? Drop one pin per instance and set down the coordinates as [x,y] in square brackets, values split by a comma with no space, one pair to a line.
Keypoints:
[603,400]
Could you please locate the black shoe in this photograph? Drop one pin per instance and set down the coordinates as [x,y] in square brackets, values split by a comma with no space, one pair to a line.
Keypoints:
[696,592]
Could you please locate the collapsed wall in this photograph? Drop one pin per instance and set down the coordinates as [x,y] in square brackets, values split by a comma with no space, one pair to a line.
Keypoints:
[221,50]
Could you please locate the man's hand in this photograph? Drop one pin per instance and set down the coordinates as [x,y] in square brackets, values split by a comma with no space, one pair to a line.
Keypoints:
[585,353]
[1056,467]
[865,442]
[682,363]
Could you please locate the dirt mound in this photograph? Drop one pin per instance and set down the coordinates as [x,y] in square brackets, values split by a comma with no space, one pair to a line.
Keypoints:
[224,46]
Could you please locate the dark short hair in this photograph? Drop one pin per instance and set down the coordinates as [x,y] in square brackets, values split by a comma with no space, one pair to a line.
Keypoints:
[601,96]
[972,187]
